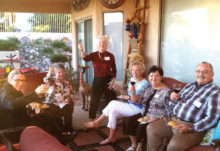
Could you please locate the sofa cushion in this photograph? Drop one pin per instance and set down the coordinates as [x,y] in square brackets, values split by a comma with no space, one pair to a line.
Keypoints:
[34,138]
[33,80]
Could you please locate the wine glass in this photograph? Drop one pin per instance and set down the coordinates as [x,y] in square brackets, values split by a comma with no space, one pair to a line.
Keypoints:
[133,81]
[177,87]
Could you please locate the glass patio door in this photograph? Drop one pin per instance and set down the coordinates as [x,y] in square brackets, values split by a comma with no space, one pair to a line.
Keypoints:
[84,35]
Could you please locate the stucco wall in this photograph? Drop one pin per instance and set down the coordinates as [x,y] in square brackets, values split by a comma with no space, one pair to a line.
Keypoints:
[95,11]
[152,34]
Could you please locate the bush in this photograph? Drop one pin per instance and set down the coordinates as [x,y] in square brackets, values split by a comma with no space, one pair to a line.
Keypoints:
[67,49]
[14,40]
[38,41]
[47,41]
[58,44]
[11,44]
[48,50]
[58,58]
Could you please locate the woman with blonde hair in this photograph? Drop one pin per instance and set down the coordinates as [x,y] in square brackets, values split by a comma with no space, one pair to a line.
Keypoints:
[116,109]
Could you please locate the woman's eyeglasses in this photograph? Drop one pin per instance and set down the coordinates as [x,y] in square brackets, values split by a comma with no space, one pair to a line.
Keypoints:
[20,80]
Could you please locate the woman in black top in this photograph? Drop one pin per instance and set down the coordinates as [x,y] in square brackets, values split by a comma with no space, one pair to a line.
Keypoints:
[13,102]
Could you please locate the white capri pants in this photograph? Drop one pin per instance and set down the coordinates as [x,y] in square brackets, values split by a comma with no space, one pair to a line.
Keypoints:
[116,110]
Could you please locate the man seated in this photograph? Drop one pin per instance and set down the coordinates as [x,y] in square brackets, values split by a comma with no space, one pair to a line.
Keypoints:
[197,110]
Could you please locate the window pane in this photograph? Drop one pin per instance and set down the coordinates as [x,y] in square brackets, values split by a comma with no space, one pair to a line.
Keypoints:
[113,27]
[190,35]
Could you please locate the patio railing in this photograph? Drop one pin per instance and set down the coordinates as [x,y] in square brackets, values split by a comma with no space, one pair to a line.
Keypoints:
[35,22]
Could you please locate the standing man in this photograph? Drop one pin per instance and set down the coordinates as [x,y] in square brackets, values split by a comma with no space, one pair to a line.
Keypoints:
[197,110]
[104,74]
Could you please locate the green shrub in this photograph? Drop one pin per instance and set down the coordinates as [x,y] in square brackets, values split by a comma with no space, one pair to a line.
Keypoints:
[11,44]
[47,41]
[67,48]
[58,58]
[38,41]
[47,50]
[58,44]
[14,40]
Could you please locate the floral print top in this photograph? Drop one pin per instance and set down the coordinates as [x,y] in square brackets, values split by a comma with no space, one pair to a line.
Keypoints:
[159,105]
[60,93]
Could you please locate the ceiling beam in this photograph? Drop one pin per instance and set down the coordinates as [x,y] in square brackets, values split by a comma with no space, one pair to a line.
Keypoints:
[35,6]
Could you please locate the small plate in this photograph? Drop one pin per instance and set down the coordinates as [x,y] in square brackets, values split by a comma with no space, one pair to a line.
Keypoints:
[143,120]
[44,106]
[123,97]
[172,124]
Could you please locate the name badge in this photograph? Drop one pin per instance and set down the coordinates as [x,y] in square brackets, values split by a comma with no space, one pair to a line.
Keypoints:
[107,58]
[197,104]
[156,96]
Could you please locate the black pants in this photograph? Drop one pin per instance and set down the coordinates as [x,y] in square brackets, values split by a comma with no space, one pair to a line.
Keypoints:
[55,120]
[134,128]
[100,87]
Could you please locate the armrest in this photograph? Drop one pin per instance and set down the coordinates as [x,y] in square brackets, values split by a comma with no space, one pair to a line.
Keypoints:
[8,144]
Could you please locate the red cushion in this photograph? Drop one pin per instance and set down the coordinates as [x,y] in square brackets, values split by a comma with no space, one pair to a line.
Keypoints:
[35,139]
[3,148]
[202,148]
[33,81]
[170,81]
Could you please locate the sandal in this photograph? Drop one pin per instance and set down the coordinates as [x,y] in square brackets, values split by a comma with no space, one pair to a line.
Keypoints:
[106,141]
[89,125]
[130,149]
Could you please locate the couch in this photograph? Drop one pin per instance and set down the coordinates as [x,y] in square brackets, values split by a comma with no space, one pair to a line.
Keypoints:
[169,82]
[34,138]
[33,80]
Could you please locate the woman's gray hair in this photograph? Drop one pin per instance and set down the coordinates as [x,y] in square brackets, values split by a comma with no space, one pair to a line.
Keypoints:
[139,64]
[59,66]
[101,37]
[12,74]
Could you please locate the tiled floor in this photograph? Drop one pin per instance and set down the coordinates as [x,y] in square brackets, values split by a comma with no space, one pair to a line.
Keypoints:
[88,140]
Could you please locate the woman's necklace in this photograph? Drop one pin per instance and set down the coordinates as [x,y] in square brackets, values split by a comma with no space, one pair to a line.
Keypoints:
[100,57]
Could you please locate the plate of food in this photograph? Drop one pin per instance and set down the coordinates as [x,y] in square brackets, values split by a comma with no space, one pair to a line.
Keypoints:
[44,106]
[145,119]
[172,124]
[123,98]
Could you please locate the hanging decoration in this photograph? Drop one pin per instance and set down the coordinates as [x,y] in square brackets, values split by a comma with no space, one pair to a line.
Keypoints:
[79,5]
[133,25]
[111,3]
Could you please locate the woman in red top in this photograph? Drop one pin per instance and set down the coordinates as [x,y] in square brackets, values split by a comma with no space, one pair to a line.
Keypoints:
[104,74]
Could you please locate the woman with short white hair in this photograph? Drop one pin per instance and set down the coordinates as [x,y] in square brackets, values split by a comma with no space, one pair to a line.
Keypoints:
[104,74]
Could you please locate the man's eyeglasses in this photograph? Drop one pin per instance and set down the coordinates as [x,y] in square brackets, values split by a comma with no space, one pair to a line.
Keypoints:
[203,72]
[20,80]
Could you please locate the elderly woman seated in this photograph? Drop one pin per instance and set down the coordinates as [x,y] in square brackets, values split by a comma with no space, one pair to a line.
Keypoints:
[60,99]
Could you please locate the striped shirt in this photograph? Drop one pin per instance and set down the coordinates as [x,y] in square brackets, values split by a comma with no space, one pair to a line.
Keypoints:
[199,105]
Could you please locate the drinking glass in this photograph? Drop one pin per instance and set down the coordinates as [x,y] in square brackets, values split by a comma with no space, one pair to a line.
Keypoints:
[133,81]
[177,87]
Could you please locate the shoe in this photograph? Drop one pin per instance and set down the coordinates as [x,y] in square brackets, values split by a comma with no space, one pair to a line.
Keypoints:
[130,149]
[89,125]
[70,134]
[106,141]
